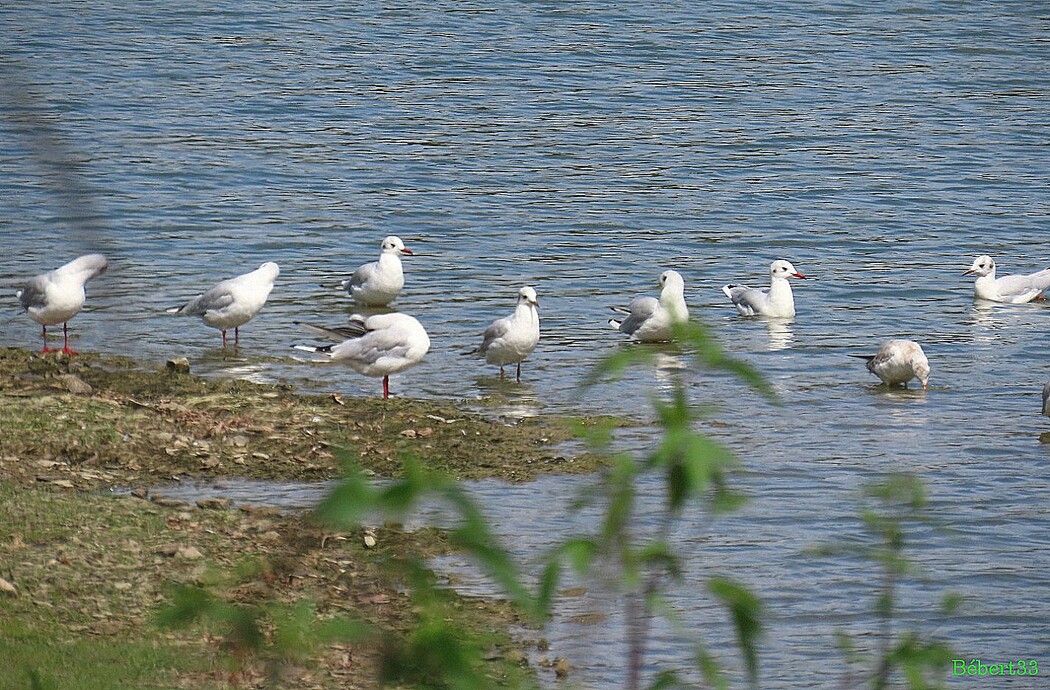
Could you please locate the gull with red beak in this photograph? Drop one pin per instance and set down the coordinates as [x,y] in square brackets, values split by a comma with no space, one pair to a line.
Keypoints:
[1017,289]
[777,301]
[378,283]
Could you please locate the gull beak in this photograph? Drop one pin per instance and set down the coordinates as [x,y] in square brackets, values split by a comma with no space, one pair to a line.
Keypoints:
[536,301]
[968,271]
[406,250]
[798,275]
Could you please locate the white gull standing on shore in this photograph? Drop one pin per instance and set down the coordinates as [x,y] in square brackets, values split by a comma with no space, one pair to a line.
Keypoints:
[55,297]
[234,302]
[379,345]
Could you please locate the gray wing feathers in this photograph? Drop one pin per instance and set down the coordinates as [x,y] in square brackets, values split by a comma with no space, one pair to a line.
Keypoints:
[218,297]
[498,329]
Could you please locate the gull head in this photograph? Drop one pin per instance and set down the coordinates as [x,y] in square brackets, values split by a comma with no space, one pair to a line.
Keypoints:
[394,245]
[671,279]
[270,268]
[982,266]
[922,372]
[527,295]
[783,269]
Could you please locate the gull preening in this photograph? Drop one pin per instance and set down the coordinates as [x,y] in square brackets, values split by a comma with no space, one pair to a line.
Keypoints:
[1015,289]
[234,302]
[777,302]
[55,297]
[513,338]
[652,320]
[899,361]
[379,345]
[378,283]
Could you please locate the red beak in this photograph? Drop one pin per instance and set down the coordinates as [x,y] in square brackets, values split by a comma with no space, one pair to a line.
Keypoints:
[406,250]
[798,275]
[967,271]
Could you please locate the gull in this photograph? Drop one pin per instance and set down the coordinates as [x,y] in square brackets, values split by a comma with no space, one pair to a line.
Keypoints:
[651,320]
[379,345]
[1017,289]
[55,297]
[1046,399]
[234,302]
[378,283]
[899,361]
[776,302]
[513,338]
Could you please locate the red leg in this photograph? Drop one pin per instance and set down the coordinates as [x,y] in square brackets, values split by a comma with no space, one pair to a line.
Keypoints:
[501,373]
[45,349]
[518,375]
[236,337]
[386,387]
[65,340]
[224,338]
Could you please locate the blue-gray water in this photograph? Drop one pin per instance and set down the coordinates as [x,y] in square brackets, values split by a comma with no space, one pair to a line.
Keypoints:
[583,148]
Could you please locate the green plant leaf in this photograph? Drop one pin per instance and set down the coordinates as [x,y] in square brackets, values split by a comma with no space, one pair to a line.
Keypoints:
[746,612]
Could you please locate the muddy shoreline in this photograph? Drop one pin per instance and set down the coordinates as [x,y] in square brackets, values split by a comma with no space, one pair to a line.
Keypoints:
[92,569]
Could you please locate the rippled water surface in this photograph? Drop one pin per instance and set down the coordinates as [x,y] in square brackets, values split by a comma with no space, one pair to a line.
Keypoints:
[582,149]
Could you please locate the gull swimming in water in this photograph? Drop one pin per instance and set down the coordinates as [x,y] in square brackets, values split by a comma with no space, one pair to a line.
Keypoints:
[55,297]
[1015,289]
[379,345]
[899,361]
[234,302]
[513,338]
[378,283]
[777,302]
[652,320]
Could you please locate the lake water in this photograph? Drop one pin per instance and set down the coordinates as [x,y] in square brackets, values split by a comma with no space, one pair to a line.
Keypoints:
[582,148]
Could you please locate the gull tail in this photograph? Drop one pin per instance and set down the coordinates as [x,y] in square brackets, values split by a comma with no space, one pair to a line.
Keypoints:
[615,324]
[727,290]
[325,349]
[355,329]
[175,310]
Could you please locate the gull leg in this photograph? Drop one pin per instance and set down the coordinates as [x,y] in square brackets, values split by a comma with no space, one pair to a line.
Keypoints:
[45,349]
[518,376]
[236,337]
[224,338]
[65,340]
[501,373]
[386,387]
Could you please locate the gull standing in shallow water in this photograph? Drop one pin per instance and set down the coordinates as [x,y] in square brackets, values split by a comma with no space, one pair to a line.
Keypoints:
[234,302]
[1016,289]
[55,297]
[378,283]
[777,302]
[652,320]
[1046,399]
[380,345]
[513,338]
[899,361]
